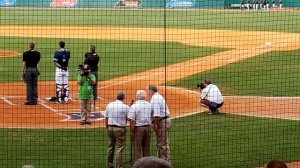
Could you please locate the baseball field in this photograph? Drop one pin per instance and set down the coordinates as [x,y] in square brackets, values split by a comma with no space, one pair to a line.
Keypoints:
[253,56]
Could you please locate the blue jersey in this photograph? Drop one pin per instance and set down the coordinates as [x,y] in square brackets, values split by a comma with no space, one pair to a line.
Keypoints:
[62,57]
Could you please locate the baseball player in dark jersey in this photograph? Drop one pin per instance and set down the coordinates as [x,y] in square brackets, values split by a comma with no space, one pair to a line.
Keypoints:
[255,4]
[280,4]
[273,4]
[242,5]
[61,61]
[92,59]
[264,4]
[30,73]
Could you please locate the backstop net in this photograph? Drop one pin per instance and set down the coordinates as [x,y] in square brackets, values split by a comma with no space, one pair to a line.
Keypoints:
[184,83]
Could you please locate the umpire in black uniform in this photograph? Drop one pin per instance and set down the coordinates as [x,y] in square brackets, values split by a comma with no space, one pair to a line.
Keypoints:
[92,59]
[30,73]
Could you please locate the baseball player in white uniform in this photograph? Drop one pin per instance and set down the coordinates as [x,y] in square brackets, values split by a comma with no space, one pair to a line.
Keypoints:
[61,61]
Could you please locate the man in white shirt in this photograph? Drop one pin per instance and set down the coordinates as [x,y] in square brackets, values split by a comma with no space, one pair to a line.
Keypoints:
[162,123]
[116,121]
[140,125]
[211,97]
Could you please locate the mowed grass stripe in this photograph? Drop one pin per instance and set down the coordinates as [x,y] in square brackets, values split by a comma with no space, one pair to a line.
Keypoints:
[118,58]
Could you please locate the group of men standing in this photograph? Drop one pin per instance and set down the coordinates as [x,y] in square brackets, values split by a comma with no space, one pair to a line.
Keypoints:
[260,4]
[142,114]
[88,81]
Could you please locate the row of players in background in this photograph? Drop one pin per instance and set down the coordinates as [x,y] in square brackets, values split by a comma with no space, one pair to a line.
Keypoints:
[260,4]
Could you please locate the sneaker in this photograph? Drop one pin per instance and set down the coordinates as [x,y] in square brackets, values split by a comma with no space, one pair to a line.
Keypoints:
[217,111]
[211,113]
[88,123]
[58,101]
[66,100]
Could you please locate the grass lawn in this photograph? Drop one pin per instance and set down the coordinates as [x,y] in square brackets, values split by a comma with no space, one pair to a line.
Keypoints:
[200,140]
[196,141]
[271,74]
[197,19]
[118,58]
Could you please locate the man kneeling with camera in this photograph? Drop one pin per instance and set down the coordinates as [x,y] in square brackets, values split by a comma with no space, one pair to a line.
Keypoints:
[211,96]
[85,80]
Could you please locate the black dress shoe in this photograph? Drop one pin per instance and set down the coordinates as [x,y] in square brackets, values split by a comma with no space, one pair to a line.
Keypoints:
[30,103]
[83,122]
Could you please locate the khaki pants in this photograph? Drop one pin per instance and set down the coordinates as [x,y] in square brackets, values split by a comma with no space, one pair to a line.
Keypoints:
[85,108]
[162,140]
[116,146]
[141,142]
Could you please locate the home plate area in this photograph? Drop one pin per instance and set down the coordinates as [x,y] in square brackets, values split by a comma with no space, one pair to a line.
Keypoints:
[14,104]
[75,116]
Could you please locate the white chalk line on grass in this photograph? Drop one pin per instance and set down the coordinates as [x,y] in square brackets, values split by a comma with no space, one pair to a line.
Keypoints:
[204,61]
[267,44]
[238,97]
[241,114]
[188,114]
[285,117]
[267,116]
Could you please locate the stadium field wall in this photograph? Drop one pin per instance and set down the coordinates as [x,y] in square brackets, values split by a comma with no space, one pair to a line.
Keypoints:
[111,3]
[145,4]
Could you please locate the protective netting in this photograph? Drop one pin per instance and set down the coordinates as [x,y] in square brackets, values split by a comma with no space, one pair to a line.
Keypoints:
[246,54]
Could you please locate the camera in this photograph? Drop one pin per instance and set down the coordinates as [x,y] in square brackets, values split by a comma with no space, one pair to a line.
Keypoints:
[83,70]
[201,85]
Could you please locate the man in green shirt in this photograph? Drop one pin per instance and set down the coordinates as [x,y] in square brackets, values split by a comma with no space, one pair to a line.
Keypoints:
[86,80]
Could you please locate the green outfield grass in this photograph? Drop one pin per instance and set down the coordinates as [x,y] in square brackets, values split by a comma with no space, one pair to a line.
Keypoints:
[201,19]
[200,140]
[196,141]
[118,58]
[271,74]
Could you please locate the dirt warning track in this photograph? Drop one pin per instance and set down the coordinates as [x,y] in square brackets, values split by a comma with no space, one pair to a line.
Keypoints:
[243,44]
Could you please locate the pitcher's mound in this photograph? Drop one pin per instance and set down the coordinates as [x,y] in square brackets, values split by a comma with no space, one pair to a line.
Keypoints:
[7,53]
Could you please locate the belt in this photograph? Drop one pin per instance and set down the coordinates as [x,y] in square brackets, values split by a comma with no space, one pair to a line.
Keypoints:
[116,126]
[143,126]
[163,118]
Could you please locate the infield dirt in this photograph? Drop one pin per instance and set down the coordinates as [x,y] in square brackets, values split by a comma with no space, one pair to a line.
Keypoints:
[243,44]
